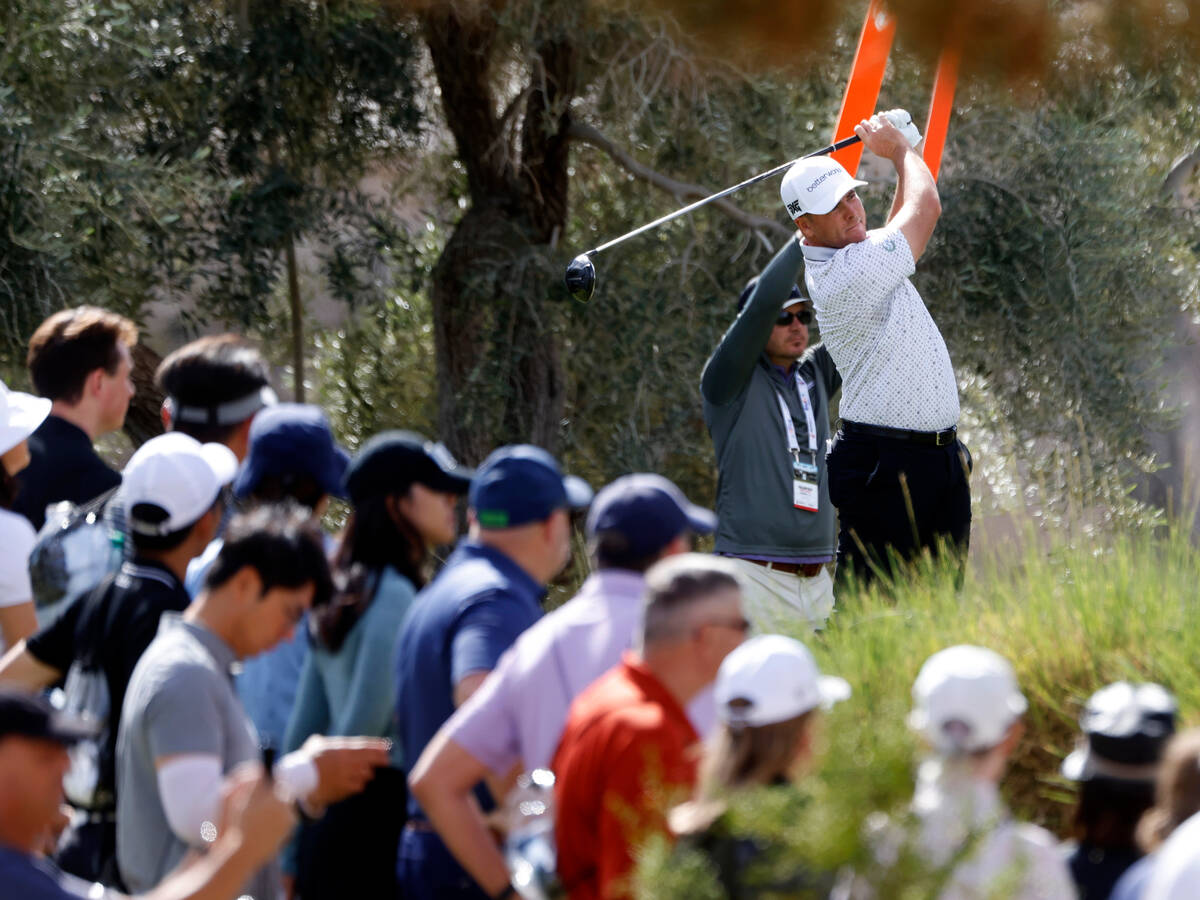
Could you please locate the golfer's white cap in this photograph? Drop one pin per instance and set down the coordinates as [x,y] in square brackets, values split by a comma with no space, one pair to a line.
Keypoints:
[171,481]
[772,678]
[964,699]
[816,185]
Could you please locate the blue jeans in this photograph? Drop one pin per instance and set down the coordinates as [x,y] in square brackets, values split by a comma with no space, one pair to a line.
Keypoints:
[427,870]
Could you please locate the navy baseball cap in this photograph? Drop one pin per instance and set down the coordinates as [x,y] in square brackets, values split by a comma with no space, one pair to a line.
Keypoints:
[649,511]
[26,715]
[292,439]
[392,461]
[522,483]
[793,297]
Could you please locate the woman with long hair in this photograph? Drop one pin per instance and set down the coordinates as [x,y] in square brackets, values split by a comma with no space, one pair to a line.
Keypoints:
[20,415]
[404,491]
[769,693]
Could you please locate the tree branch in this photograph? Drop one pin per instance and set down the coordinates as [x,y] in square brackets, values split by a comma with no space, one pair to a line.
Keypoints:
[587,134]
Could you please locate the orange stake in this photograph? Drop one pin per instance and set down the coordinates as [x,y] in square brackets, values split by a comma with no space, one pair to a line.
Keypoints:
[866,77]
[941,104]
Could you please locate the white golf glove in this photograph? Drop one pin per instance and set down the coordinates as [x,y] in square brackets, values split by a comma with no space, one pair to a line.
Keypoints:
[902,120]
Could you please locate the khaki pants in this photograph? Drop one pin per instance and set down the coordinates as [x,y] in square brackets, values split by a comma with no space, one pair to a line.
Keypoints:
[774,599]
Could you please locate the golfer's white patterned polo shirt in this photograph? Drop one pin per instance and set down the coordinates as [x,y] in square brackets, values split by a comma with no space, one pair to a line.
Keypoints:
[895,369]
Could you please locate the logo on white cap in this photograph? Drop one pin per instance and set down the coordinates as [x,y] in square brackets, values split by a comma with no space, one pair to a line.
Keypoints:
[180,476]
[816,185]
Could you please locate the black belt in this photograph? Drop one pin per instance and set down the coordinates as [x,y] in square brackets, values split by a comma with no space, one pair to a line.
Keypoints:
[943,438]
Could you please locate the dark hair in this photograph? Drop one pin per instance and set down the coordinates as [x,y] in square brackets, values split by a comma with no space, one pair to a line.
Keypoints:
[278,487]
[210,371]
[1108,811]
[1177,793]
[281,543]
[610,549]
[72,344]
[152,514]
[373,539]
[9,485]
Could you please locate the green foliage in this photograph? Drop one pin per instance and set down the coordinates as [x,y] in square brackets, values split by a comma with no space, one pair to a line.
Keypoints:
[1071,616]
[83,217]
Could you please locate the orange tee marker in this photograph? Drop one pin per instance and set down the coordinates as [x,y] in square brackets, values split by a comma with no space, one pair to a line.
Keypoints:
[866,77]
[939,107]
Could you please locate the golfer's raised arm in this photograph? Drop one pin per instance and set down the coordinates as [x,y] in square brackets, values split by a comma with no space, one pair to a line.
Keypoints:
[917,207]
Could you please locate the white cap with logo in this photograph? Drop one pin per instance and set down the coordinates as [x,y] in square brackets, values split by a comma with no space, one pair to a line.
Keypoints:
[772,678]
[965,699]
[816,185]
[180,476]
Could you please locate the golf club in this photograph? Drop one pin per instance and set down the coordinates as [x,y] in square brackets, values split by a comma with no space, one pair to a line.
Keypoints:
[581,273]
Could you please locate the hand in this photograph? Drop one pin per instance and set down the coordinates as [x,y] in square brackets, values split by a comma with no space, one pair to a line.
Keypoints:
[254,814]
[882,138]
[902,120]
[344,765]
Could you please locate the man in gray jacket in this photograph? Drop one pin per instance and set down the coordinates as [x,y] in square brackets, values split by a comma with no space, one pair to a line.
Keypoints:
[766,403]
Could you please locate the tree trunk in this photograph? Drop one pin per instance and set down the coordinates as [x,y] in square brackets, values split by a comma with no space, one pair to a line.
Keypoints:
[297,308]
[496,322]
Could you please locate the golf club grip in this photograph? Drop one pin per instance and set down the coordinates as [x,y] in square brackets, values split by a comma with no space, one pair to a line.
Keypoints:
[836,146]
[844,142]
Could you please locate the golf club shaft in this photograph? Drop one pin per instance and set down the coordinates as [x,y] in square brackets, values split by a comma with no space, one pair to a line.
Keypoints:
[844,142]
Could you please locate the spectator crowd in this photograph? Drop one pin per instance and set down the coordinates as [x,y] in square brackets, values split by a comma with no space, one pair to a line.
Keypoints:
[239,704]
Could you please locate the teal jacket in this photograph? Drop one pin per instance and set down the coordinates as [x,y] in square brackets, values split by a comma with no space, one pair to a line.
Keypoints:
[740,386]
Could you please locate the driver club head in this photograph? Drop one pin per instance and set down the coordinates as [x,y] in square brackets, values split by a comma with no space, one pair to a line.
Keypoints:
[581,278]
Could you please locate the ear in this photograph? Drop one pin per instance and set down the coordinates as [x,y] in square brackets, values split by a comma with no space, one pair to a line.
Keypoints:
[164,413]
[94,382]
[1013,736]
[246,583]
[804,226]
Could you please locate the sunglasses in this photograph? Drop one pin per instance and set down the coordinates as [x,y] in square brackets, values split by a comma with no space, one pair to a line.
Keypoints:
[804,317]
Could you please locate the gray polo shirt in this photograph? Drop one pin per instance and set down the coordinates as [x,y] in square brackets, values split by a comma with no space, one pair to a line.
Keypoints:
[180,700]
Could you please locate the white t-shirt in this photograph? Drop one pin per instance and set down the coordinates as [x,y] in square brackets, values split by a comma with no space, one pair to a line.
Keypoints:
[895,368]
[16,542]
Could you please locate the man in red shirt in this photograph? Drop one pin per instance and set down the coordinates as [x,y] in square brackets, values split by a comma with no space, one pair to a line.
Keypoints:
[628,749]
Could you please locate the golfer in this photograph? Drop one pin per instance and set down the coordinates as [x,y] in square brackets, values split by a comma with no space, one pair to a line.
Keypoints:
[897,472]
[766,403]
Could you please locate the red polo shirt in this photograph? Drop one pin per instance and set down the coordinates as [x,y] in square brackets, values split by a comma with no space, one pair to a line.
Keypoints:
[627,753]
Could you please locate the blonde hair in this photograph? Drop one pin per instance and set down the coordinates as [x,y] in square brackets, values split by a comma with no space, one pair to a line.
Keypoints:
[1177,793]
[737,758]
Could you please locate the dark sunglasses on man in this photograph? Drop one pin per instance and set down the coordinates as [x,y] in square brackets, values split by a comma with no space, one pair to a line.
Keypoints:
[785,318]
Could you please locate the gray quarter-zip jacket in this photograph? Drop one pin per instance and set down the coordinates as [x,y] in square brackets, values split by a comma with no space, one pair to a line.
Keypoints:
[740,387]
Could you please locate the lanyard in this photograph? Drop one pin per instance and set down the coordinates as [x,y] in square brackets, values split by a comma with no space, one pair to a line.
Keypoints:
[810,420]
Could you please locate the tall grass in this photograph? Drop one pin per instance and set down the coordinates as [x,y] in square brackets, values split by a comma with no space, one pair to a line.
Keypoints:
[1070,614]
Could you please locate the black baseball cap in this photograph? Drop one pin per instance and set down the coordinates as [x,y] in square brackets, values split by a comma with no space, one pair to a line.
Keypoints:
[648,511]
[744,297]
[30,716]
[1125,729]
[392,461]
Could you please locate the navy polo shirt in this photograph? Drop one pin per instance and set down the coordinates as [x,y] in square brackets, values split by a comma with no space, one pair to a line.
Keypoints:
[62,466]
[460,623]
[35,878]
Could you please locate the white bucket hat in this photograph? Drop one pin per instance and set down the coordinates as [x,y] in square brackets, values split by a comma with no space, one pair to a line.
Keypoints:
[180,476]
[20,415]
[816,185]
[772,678]
[964,699]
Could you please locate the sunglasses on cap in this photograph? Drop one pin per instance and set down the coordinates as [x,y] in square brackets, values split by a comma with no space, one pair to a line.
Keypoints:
[804,317]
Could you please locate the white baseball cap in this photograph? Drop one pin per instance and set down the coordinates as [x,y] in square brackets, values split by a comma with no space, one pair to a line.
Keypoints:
[772,678]
[965,699]
[816,185]
[180,476]
[20,415]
